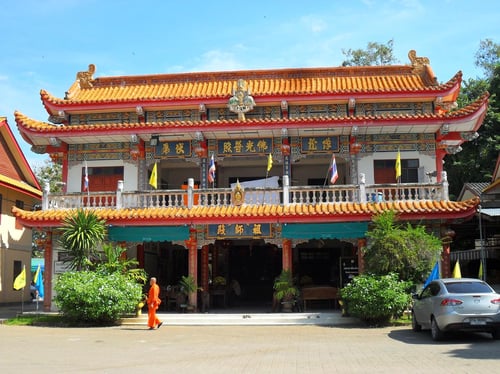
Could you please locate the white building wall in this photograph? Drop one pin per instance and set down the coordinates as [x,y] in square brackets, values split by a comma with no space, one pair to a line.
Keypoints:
[365,164]
[75,176]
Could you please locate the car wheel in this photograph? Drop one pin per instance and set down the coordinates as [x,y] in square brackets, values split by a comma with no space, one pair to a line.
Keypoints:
[414,324]
[436,333]
[496,334]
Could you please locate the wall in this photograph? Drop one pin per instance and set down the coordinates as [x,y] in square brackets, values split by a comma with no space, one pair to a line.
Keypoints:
[365,163]
[75,178]
[15,245]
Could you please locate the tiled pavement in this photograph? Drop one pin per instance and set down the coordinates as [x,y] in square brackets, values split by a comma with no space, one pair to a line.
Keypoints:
[343,348]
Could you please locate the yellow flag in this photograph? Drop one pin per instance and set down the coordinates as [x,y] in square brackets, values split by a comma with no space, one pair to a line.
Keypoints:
[269,162]
[398,166]
[153,179]
[20,281]
[456,271]
[37,274]
[480,275]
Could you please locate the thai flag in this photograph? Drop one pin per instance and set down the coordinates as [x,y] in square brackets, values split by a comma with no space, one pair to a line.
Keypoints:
[86,178]
[211,170]
[333,168]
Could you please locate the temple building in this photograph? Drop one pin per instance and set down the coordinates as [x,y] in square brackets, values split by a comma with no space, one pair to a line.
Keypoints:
[234,176]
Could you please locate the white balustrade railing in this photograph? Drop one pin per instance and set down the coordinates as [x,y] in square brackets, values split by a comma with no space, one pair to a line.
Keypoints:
[253,196]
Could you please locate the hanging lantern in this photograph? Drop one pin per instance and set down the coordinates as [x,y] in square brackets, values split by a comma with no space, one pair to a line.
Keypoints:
[355,148]
[201,149]
[285,147]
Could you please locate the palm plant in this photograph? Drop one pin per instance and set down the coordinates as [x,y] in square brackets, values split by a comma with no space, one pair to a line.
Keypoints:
[81,233]
[114,260]
[284,287]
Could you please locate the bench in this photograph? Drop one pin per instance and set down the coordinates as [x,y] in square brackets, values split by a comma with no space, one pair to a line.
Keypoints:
[320,293]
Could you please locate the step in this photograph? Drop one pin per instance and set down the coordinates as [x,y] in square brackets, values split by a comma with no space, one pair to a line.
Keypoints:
[242,319]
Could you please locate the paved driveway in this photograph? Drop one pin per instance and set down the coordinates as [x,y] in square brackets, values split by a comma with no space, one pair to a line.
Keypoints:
[241,349]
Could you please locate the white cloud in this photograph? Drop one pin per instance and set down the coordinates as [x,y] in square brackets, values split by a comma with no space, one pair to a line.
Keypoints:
[314,24]
[216,59]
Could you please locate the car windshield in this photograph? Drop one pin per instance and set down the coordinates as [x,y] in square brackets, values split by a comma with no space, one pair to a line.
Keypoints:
[468,287]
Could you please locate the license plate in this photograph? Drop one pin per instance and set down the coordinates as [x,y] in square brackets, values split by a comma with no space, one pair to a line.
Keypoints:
[477,322]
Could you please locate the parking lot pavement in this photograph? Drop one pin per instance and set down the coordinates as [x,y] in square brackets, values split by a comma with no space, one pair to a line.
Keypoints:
[242,349]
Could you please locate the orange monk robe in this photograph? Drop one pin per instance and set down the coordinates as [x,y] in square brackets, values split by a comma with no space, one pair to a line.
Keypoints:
[153,303]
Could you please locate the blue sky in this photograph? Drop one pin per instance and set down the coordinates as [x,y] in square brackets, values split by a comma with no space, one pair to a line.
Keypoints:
[46,42]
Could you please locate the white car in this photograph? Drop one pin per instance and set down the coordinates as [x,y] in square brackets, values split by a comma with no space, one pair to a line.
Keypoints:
[457,304]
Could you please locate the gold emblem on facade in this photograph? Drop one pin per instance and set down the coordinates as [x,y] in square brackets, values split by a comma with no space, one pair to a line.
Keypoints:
[238,194]
[241,102]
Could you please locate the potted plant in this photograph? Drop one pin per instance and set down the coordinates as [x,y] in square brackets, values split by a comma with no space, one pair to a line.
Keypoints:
[187,285]
[140,305]
[285,292]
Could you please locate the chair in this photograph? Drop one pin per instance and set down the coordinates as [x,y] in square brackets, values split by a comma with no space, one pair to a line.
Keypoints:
[171,298]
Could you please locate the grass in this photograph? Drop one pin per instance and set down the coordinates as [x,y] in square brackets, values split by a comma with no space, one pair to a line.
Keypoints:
[37,320]
[52,320]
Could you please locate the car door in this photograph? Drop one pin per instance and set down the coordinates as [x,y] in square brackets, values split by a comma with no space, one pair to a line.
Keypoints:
[423,306]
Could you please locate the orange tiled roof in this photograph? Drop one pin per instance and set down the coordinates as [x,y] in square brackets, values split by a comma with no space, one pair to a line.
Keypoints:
[107,128]
[335,212]
[262,83]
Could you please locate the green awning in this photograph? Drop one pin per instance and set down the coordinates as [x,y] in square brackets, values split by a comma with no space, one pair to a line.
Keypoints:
[148,233]
[344,230]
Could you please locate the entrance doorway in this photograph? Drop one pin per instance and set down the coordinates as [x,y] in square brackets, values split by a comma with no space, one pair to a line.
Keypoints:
[249,267]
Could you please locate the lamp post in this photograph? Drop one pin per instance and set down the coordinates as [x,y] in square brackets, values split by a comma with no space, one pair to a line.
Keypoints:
[482,250]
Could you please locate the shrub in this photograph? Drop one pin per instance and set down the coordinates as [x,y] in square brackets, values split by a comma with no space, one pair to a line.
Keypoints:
[375,299]
[407,250]
[94,298]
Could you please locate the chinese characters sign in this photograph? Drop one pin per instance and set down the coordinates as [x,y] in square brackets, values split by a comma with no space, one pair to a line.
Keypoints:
[173,149]
[319,144]
[233,147]
[239,231]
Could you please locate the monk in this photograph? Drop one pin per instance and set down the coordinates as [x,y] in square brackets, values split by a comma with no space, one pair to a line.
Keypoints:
[153,303]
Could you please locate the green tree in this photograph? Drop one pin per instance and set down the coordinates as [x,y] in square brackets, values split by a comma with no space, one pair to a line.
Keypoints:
[477,160]
[488,56]
[50,172]
[408,251]
[374,54]
[81,234]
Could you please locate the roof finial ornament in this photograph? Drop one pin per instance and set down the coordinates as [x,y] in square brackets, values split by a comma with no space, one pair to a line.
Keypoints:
[241,101]
[418,63]
[85,78]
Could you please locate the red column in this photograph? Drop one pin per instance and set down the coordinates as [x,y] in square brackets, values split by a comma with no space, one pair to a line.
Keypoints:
[204,268]
[361,260]
[445,261]
[140,255]
[287,254]
[193,264]
[440,153]
[47,275]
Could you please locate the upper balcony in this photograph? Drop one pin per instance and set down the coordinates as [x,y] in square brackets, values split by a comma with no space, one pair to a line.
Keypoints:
[286,195]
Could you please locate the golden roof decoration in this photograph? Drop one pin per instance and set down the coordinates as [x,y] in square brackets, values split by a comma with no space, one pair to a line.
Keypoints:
[85,78]
[418,63]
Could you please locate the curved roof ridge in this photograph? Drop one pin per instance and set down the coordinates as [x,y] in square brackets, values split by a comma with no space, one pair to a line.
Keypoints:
[24,121]
[262,83]
[253,214]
